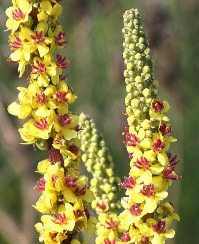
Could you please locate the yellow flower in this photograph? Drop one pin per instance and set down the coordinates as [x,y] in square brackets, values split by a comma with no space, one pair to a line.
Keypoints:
[144,169]
[63,96]
[43,166]
[46,202]
[33,99]
[160,146]
[156,230]
[47,10]
[43,70]
[19,53]
[132,214]
[109,225]
[49,238]
[42,101]
[72,149]
[76,189]
[158,108]
[110,239]
[18,14]
[161,184]
[36,40]
[150,196]
[23,109]
[39,128]
[66,125]
[135,234]
[54,178]
[161,238]
[166,210]
[59,142]
[63,220]
[57,36]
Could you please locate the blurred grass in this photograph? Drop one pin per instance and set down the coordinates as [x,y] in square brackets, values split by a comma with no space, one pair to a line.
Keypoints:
[95,50]
[187,17]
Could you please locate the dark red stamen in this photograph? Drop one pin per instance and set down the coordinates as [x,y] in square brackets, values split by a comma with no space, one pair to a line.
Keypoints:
[61,97]
[102,206]
[159,146]
[143,163]
[172,159]
[88,215]
[135,209]
[41,185]
[60,39]
[168,173]
[39,68]
[145,240]
[129,183]
[71,182]
[78,213]
[17,44]
[111,224]
[17,14]
[131,140]
[54,179]
[164,129]
[158,106]
[63,77]
[148,190]
[64,120]
[42,124]
[80,192]
[53,236]
[107,241]
[61,63]
[130,156]
[77,128]
[41,98]
[60,218]
[160,227]
[125,237]
[74,149]
[38,38]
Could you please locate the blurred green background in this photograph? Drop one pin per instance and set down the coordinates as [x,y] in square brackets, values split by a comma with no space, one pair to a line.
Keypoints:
[95,50]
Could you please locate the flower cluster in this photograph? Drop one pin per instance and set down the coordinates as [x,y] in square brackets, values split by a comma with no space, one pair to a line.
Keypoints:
[146,217]
[104,184]
[64,201]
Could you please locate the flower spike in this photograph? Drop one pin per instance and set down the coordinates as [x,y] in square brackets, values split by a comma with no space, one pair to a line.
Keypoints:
[146,217]
[65,197]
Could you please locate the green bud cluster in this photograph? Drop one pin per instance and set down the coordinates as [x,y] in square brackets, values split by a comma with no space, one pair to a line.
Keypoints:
[99,163]
[140,84]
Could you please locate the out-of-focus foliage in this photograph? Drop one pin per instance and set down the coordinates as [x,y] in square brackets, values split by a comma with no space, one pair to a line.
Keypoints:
[187,18]
[95,50]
